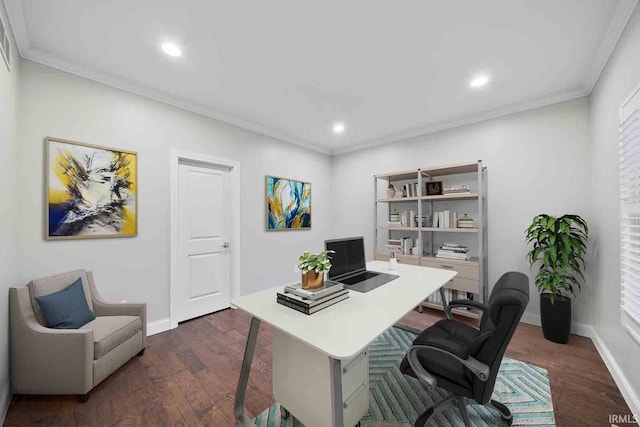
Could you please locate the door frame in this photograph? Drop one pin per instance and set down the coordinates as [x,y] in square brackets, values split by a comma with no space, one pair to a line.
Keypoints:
[176,157]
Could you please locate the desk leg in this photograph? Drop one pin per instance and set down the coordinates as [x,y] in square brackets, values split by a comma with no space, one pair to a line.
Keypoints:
[241,417]
[337,409]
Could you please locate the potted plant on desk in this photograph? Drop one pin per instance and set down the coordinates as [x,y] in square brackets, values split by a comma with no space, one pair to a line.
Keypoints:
[559,244]
[313,267]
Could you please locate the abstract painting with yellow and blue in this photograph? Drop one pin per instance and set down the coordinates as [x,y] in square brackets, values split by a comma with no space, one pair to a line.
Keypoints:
[91,191]
[288,204]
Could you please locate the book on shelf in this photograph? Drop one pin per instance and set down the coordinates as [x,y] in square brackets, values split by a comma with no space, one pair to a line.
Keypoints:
[465,222]
[394,224]
[453,251]
[456,189]
[291,301]
[327,289]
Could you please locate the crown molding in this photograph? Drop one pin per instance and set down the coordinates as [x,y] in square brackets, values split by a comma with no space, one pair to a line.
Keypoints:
[15,12]
[463,121]
[52,61]
[616,27]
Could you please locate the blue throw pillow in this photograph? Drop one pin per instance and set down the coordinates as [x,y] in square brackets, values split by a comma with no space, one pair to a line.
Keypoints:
[66,309]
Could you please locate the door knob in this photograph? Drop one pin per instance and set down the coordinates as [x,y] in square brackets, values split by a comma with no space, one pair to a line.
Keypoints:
[225,245]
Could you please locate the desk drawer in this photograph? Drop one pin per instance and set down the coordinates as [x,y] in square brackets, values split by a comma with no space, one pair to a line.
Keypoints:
[464,285]
[464,270]
[356,405]
[354,373]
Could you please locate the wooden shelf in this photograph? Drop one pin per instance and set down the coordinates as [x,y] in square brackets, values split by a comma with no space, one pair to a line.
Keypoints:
[386,227]
[473,262]
[451,230]
[399,199]
[399,176]
[466,313]
[456,196]
[450,169]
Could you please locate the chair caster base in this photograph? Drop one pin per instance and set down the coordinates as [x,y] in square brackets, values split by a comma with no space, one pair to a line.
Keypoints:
[82,398]
[140,353]
[505,413]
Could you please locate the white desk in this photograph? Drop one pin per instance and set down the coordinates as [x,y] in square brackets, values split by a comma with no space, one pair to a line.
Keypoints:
[340,332]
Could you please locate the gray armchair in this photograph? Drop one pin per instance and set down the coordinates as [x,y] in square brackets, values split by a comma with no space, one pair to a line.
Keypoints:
[70,361]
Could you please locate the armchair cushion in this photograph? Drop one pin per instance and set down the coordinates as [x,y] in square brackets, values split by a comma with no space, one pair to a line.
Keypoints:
[50,284]
[66,309]
[111,331]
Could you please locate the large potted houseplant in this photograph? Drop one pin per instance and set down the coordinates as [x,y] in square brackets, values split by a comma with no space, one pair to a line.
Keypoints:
[313,267]
[559,245]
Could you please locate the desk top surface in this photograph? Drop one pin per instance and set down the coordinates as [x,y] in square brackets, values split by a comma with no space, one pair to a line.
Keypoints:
[346,328]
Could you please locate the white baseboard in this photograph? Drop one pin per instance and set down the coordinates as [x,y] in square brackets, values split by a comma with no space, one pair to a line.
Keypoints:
[577,328]
[158,326]
[5,399]
[628,393]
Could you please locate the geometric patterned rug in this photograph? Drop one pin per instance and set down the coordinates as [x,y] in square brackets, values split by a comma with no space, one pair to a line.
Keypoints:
[397,400]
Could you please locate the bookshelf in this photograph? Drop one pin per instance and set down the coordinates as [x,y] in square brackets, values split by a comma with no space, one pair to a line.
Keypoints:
[472,273]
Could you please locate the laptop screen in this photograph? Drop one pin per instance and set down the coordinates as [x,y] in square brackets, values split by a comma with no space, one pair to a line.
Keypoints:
[348,256]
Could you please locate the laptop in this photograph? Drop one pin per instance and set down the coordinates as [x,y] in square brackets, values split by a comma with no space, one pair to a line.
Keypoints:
[348,265]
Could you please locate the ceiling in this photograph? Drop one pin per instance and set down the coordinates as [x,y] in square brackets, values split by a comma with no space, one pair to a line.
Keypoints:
[290,69]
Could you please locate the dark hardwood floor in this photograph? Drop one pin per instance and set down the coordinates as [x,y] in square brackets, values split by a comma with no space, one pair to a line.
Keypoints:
[188,377]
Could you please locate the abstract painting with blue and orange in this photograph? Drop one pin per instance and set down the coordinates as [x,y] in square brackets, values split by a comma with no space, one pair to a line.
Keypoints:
[288,204]
[91,191]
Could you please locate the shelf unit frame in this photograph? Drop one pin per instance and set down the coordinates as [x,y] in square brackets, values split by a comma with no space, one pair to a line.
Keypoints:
[425,205]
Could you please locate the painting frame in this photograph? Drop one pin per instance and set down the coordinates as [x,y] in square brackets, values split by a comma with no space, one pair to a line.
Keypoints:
[47,172]
[266,192]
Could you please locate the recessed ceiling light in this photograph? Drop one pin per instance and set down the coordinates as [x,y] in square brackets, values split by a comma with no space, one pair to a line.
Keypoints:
[479,81]
[338,128]
[171,49]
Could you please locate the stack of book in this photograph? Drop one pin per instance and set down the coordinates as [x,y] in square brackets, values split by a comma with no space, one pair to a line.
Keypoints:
[453,251]
[394,245]
[466,222]
[309,301]
[456,189]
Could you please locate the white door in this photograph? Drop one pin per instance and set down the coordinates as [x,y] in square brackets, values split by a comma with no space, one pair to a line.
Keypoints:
[204,225]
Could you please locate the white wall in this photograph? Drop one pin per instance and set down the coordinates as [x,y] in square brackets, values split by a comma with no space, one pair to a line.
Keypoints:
[538,161]
[8,208]
[620,77]
[55,103]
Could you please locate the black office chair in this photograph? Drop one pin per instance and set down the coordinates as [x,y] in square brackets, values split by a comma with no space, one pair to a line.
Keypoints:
[464,360]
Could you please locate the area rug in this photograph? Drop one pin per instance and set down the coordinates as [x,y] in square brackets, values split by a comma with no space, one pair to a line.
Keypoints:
[397,400]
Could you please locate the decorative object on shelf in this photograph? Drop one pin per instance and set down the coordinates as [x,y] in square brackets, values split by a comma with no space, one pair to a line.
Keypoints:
[559,245]
[412,219]
[466,222]
[434,188]
[391,191]
[313,267]
[399,194]
[393,262]
[288,204]
[91,191]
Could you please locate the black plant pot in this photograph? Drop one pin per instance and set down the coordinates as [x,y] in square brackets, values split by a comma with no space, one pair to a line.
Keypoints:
[556,318]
